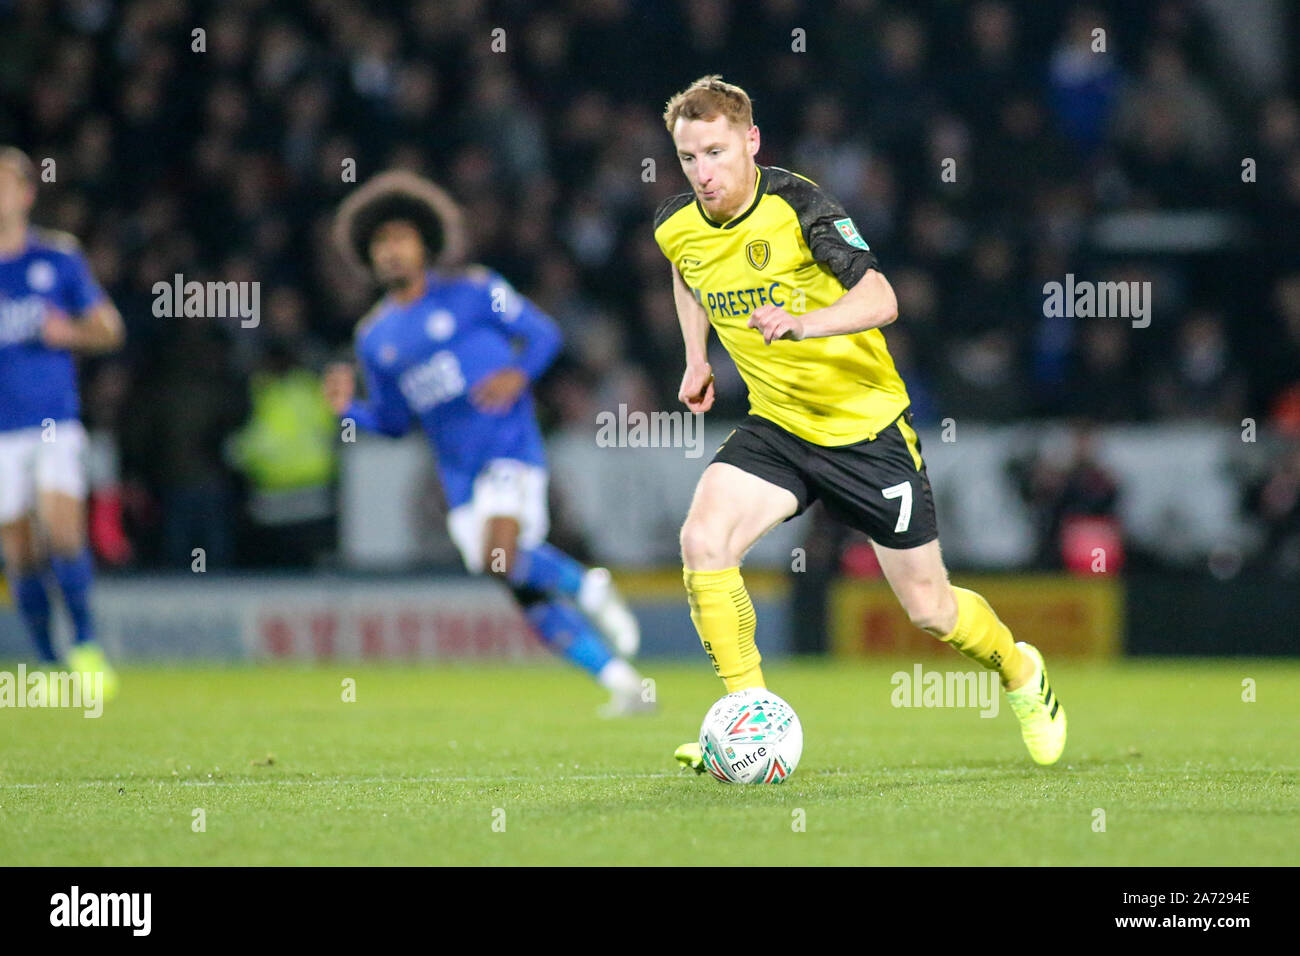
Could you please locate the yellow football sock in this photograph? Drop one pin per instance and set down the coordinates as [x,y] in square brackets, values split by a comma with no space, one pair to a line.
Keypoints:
[982,636]
[724,618]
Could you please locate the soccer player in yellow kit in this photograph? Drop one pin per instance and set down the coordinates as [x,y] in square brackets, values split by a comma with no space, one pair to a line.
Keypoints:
[777,267]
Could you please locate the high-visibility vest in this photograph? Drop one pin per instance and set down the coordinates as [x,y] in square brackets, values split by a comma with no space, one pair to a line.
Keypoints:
[289,440]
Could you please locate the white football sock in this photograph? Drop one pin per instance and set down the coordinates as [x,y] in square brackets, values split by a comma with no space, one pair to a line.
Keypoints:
[619,677]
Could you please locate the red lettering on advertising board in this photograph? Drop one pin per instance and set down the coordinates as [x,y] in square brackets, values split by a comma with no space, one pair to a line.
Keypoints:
[324,629]
[451,635]
[277,636]
[372,636]
[408,635]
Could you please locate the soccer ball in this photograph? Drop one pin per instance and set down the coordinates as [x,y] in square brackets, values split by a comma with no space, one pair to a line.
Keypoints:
[751,736]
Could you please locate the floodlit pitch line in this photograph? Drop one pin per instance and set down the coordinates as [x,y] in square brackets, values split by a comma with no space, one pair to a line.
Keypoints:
[324,781]
[361,781]
[366,781]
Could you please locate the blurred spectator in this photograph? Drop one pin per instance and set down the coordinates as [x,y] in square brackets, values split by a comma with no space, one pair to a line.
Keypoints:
[983,376]
[1277,358]
[186,401]
[1274,503]
[1104,383]
[286,453]
[924,404]
[1200,380]
[1084,83]
[1075,507]
[1171,130]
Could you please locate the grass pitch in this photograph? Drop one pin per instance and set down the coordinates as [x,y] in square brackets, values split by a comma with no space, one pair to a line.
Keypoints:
[426,760]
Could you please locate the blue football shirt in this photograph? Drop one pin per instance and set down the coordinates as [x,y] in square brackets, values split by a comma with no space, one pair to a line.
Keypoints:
[36,382]
[422,360]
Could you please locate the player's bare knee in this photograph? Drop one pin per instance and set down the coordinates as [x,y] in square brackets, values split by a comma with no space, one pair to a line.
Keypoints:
[695,544]
[25,564]
[18,547]
[705,546]
[66,542]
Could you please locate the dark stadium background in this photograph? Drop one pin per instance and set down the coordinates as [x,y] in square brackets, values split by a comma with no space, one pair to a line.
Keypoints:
[225,165]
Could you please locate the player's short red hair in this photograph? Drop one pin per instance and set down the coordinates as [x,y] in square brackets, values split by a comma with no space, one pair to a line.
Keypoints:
[709,97]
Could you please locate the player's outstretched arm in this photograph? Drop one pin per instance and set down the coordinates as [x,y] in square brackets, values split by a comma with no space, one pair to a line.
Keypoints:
[696,392]
[99,329]
[384,412]
[340,386]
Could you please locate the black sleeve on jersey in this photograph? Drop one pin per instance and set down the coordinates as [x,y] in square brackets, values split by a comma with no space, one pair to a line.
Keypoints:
[817,211]
[671,205]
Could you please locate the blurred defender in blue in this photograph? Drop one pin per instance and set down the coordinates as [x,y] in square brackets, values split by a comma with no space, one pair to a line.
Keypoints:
[51,308]
[455,347]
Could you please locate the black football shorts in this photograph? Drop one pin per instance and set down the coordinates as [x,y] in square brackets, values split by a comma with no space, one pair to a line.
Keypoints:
[878,486]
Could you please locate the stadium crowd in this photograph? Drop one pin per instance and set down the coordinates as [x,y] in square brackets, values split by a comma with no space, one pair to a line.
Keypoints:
[222,156]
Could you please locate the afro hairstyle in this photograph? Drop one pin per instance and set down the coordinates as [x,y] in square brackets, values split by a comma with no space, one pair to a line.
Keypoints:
[399,195]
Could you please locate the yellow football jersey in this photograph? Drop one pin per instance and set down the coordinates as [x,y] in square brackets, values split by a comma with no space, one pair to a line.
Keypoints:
[796,247]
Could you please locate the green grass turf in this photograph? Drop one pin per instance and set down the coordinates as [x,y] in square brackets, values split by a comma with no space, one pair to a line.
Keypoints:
[1186,772]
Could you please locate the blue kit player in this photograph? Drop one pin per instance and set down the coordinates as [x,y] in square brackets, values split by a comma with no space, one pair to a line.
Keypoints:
[50,308]
[457,349]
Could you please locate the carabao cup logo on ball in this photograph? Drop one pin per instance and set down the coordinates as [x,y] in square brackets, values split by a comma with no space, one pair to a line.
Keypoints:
[751,736]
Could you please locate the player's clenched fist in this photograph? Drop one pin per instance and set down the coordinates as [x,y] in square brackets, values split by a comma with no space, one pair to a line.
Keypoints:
[696,392]
[776,323]
[340,386]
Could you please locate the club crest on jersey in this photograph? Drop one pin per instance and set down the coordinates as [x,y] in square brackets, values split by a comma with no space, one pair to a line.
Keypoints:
[850,234]
[759,253]
[387,354]
[40,276]
[440,325]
